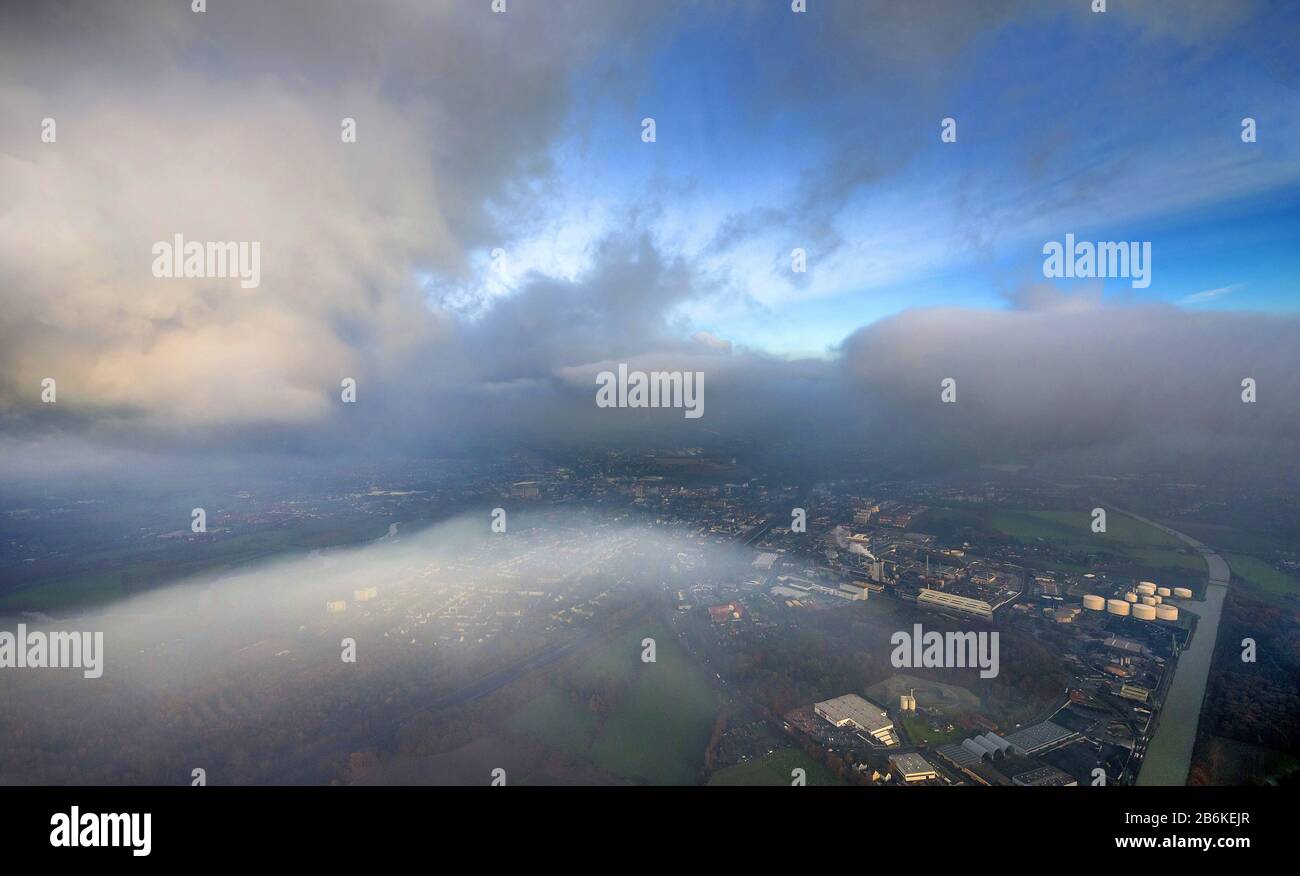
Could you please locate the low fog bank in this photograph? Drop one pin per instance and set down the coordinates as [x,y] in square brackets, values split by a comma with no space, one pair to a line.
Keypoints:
[242,673]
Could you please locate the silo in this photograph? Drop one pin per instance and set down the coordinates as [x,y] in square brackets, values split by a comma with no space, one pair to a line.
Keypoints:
[1146,587]
[1149,600]
[1117,606]
[1164,591]
[1093,602]
[1167,612]
[1144,612]
[1130,597]
[1183,592]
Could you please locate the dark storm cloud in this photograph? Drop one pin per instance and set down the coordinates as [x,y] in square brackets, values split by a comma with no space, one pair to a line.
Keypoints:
[1066,373]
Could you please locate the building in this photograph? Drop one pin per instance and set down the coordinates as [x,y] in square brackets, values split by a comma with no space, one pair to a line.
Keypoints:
[525,490]
[848,591]
[721,614]
[942,599]
[853,711]
[1039,737]
[988,745]
[1135,692]
[1125,645]
[1045,777]
[365,595]
[960,756]
[912,767]
[336,606]
[862,516]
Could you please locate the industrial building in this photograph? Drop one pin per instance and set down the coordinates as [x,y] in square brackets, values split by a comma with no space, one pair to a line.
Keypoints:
[1135,692]
[1126,645]
[852,710]
[721,614]
[849,591]
[988,745]
[912,767]
[1045,777]
[960,756]
[1039,737]
[941,599]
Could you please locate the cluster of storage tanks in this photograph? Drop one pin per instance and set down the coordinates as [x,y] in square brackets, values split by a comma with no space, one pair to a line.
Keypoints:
[1145,602]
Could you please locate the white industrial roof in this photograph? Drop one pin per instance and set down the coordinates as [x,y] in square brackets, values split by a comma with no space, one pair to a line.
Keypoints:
[863,713]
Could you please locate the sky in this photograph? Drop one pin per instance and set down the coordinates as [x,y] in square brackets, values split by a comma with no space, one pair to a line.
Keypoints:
[501,231]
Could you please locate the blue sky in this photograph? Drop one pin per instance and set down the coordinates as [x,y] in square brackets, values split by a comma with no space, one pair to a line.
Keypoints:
[822,132]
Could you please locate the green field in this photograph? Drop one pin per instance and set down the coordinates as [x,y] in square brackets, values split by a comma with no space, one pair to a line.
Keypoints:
[656,726]
[556,721]
[918,730]
[618,661]
[1260,574]
[774,769]
[1128,540]
[1073,529]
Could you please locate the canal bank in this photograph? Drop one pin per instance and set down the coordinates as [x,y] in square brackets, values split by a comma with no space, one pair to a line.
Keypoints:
[1169,755]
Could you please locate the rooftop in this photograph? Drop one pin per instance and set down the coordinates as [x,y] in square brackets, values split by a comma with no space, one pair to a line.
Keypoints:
[853,709]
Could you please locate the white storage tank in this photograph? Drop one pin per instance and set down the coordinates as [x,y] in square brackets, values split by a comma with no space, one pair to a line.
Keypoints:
[1149,600]
[1093,602]
[1144,612]
[1130,597]
[1167,612]
[1164,591]
[1183,592]
[1117,606]
[1146,588]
